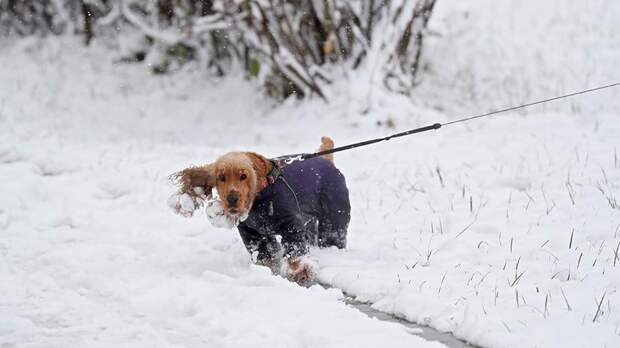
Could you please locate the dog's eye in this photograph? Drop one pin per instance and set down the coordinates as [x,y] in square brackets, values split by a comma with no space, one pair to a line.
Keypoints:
[243,177]
[221,177]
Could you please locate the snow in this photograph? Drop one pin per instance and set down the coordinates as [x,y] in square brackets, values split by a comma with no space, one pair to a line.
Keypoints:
[503,231]
[90,253]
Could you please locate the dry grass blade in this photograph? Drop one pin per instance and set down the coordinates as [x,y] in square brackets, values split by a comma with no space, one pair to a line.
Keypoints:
[465,229]
[598,308]
[566,300]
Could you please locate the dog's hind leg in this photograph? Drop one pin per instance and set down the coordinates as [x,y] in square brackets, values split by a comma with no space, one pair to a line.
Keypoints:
[327,144]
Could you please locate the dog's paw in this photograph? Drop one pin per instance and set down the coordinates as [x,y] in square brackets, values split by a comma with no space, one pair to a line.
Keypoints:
[300,270]
[183,204]
[216,215]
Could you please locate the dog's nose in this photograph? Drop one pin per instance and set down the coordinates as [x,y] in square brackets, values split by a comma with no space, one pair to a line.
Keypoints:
[233,199]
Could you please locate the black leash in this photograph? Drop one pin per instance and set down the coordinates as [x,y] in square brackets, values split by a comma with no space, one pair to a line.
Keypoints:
[304,156]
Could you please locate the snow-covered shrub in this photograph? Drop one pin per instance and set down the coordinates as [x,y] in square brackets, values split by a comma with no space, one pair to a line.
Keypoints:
[26,17]
[292,46]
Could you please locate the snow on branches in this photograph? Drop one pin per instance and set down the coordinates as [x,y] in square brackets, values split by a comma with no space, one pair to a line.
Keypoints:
[291,46]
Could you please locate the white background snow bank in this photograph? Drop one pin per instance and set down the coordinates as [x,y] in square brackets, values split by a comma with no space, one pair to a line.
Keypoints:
[90,255]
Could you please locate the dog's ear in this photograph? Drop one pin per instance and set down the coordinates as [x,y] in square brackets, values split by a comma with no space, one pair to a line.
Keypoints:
[193,180]
[195,185]
[261,165]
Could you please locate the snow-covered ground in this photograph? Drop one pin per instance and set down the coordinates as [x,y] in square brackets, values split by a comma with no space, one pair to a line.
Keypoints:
[90,254]
[504,232]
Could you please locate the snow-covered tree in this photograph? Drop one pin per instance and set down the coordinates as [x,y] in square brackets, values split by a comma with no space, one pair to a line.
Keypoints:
[292,46]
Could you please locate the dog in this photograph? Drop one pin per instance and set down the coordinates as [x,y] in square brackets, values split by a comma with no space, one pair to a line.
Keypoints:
[304,203]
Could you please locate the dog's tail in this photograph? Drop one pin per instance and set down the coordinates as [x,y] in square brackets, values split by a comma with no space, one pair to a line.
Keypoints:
[327,144]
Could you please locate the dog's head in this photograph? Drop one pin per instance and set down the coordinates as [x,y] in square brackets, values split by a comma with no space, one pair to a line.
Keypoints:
[236,181]
[237,177]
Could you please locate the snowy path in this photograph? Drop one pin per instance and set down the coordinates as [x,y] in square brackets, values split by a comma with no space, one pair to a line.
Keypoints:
[425,332]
